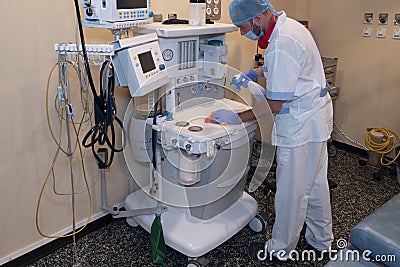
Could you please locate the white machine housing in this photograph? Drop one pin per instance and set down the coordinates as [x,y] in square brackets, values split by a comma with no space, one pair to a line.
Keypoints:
[116,10]
[202,172]
[214,52]
[139,64]
[197,12]
[189,52]
[214,159]
[181,56]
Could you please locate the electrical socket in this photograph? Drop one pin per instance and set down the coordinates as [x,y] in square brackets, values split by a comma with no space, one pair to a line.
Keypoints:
[366,32]
[381,33]
[396,34]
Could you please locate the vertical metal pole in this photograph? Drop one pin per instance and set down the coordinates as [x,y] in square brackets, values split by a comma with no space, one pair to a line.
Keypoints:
[75,258]
[68,114]
[102,152]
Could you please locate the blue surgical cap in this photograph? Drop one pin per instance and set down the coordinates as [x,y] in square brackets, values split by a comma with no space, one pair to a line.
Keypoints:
[243,10]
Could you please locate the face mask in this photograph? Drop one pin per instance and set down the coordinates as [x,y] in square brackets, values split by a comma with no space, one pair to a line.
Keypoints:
[252,36]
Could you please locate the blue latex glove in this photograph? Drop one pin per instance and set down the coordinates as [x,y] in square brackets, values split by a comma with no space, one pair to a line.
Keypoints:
[243,79]
[227,116]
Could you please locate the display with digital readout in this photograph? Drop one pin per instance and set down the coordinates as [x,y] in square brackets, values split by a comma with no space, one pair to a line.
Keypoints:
[130,4]
[146,62]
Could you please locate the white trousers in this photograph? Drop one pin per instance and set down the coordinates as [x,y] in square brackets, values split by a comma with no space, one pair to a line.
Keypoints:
[302,196]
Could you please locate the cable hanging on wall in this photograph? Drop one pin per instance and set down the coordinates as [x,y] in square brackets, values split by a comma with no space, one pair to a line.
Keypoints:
[102,133]
[104,104]
[65,114]
[105,115]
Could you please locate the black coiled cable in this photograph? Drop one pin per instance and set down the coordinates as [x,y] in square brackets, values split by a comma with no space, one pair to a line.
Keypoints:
[105,115]
[104,104]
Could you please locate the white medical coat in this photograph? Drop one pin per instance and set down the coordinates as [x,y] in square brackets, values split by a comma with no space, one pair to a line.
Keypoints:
[294,72]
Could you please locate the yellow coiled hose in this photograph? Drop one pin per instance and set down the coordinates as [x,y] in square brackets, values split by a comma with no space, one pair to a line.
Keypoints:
[386,146]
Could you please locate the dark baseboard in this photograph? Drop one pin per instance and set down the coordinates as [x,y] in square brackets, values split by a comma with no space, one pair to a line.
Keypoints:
[346,147]
[58,243]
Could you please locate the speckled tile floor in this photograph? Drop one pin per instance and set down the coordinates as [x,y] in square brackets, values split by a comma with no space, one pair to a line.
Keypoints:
[118,244]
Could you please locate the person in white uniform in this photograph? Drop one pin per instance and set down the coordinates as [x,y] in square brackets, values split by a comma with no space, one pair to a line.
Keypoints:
[296,91]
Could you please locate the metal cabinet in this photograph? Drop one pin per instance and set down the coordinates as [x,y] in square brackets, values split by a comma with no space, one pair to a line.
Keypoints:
[330,65]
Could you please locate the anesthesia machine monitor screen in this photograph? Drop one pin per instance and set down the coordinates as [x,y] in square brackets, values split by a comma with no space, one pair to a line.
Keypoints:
[117,10]
[146,62]
[131,4]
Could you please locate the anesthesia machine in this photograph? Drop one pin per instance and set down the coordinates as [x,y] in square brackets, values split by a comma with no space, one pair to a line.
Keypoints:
[191,171]
[201,167]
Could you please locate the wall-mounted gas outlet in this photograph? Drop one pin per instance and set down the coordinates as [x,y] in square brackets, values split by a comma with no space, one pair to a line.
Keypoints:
[366,32]
[368,17]
[213,9]
[383,18]
[397,19]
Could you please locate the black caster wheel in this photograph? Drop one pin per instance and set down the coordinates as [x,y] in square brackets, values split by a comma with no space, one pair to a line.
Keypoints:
[362,162]
[332,151]
[131,222]
[197,262]
[259,222]
[193,263]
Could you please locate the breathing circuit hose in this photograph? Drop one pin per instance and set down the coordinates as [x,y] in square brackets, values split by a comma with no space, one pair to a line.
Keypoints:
[386,146]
